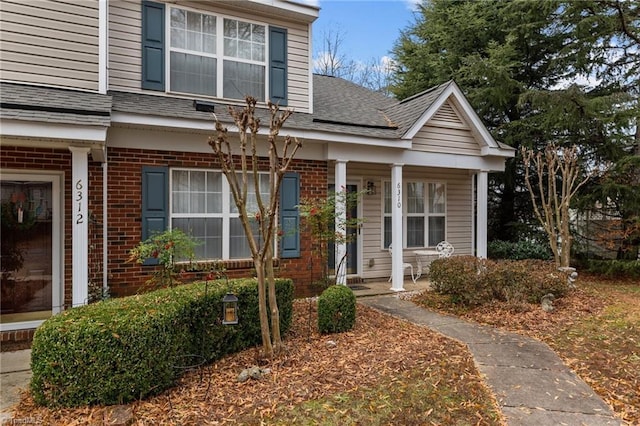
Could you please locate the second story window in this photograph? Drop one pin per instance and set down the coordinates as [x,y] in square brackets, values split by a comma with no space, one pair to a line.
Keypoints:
[215,56]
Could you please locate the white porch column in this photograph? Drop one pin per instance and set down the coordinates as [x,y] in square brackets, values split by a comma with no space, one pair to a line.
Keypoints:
[397,272]
[80,224]
[341,217]
[482,189]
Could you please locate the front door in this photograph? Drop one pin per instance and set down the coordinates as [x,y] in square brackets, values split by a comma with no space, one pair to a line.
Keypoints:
[352,238]
[30,287]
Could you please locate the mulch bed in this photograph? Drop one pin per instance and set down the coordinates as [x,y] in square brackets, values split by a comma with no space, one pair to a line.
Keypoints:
[312,368]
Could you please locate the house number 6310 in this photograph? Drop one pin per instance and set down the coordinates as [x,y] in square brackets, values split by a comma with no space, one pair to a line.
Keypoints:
[79,216]
[399,195]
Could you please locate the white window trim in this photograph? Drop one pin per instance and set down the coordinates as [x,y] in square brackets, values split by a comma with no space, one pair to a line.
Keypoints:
[426,215]
[219,55]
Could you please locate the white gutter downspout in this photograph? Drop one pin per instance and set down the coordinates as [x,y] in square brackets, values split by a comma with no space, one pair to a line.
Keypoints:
[103,86]
[105,228]
[103,42]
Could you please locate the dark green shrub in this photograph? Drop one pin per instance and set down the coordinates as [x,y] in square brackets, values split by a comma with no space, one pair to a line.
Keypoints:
[119,350]
[471,281]
[336,309]
[519,250]
[615,268]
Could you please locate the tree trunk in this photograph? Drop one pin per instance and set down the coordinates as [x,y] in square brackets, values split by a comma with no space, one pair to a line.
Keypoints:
[565,234]
[262,307]
[273,302]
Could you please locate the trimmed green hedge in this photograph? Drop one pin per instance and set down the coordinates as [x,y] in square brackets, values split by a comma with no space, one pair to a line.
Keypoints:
[473,281]
[615,268]
[518,250]
[336,309]
[119,350]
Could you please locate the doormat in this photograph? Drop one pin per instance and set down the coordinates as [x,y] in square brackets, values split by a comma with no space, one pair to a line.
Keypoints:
[358,287]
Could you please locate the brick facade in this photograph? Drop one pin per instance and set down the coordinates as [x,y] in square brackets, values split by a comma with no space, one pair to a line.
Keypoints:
[125,180]
[124,216]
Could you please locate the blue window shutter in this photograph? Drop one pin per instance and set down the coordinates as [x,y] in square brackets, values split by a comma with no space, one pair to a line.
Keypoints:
[278,65]
[152,45]
[290,215]
[155,202]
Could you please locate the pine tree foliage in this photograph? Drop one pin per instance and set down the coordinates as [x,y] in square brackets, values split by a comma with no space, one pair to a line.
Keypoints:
[538,73]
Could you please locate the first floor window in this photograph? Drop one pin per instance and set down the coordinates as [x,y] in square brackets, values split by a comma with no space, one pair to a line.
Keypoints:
[202,206]
[424,214]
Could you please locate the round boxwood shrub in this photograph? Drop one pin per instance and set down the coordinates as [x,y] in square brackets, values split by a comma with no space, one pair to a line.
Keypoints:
[336,309]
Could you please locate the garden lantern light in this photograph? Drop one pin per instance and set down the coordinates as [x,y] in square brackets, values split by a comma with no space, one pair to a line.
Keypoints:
[229,309]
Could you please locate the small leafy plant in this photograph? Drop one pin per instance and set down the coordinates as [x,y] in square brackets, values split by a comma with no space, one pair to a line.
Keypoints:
[166,248]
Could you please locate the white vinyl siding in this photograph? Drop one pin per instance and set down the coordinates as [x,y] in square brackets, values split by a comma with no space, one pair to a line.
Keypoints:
[50,43]
[446,132]
[125,54]
[459,213]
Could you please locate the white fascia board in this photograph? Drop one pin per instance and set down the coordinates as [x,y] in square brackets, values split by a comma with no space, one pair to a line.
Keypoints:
[42,130]
[475,122]
[472,116]
[426,116]
[162,122]
[500,152]
[293,6]
[209,126]
[350,140]
[416,158]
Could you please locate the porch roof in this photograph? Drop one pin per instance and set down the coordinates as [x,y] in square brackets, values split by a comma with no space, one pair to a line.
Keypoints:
[46,104]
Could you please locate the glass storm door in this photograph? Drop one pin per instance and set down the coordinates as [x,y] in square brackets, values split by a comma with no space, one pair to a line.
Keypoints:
[28,237]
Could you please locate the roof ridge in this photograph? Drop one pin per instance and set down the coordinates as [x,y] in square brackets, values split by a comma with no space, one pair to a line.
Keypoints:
[424,92]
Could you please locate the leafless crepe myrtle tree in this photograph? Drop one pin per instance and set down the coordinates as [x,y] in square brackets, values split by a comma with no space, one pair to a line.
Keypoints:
[554,167]
[239,162]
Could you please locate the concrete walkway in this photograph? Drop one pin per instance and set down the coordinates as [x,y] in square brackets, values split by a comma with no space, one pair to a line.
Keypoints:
[15,374]
[531,383]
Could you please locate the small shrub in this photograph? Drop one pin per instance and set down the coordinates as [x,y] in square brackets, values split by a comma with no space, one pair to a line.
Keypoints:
[458,277]
[471,281]
[336,309]
[119,350]
[165,248]
[519,250]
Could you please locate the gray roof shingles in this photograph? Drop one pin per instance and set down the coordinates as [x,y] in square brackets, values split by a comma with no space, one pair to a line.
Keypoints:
[340,107]
[24,102]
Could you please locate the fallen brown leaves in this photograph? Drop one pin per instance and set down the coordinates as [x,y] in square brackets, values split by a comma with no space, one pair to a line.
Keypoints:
[595,329]
[379,349]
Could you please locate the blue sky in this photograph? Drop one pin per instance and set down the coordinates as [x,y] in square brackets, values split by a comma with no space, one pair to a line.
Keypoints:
[369,28]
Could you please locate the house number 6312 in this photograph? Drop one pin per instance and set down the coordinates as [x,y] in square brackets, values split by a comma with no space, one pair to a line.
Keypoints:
[79,216]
